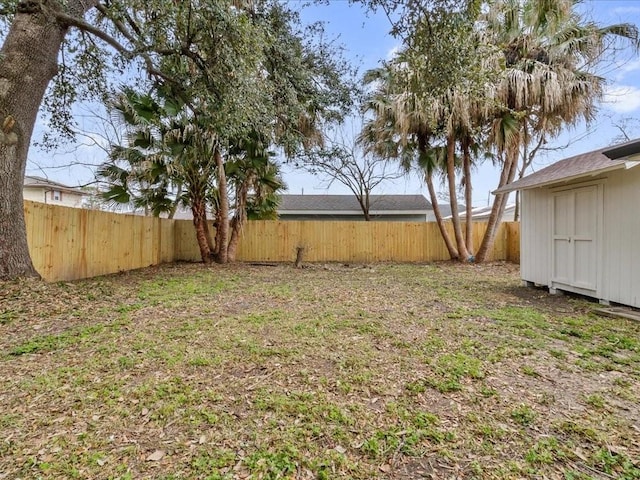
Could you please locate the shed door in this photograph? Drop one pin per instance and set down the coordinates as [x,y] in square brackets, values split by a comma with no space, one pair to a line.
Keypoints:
[575,221]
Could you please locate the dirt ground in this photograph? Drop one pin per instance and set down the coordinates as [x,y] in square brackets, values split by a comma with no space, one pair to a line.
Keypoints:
[395,371]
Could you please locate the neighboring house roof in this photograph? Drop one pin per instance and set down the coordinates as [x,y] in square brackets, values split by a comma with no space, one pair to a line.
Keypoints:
[40,182]
[482,213]
[445,209]
[626,149]
[584,165]
[348,204]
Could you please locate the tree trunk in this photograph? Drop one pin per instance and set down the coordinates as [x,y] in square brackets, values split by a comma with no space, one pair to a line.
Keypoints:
[210,244]
[468,196]
[222,232]
[28,62]
[453,253]
[236,230]
[239,219]
[214,249]
[463,253]
[506,177]
[198,208]
[299,256]
[363,201]
[366,199]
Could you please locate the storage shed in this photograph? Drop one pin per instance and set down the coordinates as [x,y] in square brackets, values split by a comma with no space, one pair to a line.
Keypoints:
[580,226]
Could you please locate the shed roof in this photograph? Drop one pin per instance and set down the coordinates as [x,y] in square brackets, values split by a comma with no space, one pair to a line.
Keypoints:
[583,165]
[344,203]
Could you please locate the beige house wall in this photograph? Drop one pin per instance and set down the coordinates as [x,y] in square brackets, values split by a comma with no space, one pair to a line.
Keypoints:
[51,196]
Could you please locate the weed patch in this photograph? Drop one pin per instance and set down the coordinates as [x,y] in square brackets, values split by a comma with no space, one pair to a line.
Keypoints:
[47,343]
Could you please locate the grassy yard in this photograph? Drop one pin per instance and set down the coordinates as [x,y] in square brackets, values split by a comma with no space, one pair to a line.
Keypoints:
[262,372]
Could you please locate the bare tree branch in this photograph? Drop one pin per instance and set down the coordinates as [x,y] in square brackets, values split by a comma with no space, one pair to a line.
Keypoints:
[71,21]
[141,51]
[344,161]
[118,24]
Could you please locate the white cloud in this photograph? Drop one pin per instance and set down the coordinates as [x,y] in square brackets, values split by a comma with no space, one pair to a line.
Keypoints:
[393,52]
[630,66]
[93,140]
[621,68]
[622,98]
[625,10]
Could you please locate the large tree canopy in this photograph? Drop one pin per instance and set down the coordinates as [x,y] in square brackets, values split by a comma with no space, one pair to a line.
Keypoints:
[276,93]
[523,69]
[427,103]
[218,52]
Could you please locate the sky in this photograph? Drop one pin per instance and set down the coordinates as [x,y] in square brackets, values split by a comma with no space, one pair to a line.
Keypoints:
[366,41]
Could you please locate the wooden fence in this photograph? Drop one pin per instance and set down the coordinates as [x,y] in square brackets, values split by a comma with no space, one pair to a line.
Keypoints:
[512,241]
[339,241]
[69,243]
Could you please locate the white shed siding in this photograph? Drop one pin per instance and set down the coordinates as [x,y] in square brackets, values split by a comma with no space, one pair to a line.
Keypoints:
[612,239]
[535,236]
[619,238]
[621,253]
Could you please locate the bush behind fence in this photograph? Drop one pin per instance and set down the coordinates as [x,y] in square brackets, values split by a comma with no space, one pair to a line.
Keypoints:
[70,243]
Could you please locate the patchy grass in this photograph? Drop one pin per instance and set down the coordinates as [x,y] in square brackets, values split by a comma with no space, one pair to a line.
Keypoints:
[384,371]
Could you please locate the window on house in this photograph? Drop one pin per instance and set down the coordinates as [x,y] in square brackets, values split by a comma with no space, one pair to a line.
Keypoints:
[56,195]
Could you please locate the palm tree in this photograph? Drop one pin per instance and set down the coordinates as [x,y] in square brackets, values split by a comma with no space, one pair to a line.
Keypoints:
[255,180]
[166,146]
[535,75]
[550,52]
[400,131]
[425,126]
[137,172]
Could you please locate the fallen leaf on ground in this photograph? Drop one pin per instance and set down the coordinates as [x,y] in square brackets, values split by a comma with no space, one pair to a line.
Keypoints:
[155,456]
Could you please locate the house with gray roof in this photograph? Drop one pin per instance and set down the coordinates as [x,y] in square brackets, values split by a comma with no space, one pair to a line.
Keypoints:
[579,225]
[398,208]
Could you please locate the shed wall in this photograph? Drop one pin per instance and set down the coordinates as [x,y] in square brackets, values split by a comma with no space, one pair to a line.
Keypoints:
[621,238]
[620,263]
[535,237]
